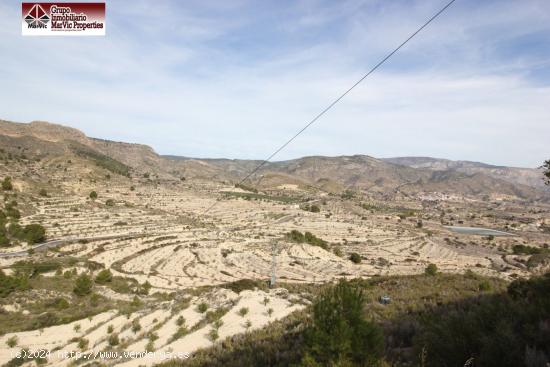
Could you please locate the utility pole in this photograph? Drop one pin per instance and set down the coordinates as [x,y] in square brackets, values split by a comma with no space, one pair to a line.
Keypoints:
[273,263]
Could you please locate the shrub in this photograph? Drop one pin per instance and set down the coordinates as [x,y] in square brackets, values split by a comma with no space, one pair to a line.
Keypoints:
[110,329]
[202,307]
[181,332]
[104,276]
[83,285]
[136,326]
[525,250]
[308,237]
[496,329]
[484,286]
[113,340]
[33,233]
[83,343]
[213,335]
[243,311]
[340,335]
[180,321]
[431,270]
[12,341]
[355,258]
[6,184]
[93,195]
[110,202]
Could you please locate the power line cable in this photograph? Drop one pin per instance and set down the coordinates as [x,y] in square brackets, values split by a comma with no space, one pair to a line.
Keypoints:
[388,56]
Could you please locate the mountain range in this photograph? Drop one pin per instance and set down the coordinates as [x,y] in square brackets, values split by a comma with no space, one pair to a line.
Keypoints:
[409,175]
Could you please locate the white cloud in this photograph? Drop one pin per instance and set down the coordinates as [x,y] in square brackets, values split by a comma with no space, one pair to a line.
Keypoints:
[238,81]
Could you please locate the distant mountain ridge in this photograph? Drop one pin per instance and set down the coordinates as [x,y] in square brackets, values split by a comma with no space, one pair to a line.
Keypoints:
[335,174]
[516,175]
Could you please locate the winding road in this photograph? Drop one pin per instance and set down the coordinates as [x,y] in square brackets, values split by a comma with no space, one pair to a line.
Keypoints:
[54,243]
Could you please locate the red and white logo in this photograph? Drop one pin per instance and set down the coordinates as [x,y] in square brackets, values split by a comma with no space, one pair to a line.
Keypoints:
[63,19]
[37,17]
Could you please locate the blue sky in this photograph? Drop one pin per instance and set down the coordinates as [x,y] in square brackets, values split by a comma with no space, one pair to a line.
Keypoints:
[237,78]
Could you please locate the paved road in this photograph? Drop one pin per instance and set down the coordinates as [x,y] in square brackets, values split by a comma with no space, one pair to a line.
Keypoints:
[55,243]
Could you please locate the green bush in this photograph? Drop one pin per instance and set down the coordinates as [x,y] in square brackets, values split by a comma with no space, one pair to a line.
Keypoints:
[104,276]
[526,250]
[243,311]
[12,341]
[308,237]
[355,258]
[6,184]
[431,270]
[202,307]
[83,343]
[34,233]
[93,195]
[12,283]
[83,285]
[113,340]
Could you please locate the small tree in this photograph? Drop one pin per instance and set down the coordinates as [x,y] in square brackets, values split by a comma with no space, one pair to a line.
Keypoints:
[93,195]
[431,270]
[340,335]
[113,340]
[34,233]
[136,326]
[83,285]
[269,312]
[180,321]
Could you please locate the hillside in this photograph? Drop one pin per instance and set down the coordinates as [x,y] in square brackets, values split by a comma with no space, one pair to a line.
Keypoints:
[524,176]
[363,173]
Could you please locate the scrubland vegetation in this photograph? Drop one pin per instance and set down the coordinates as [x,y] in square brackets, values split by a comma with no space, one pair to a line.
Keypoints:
[432,321]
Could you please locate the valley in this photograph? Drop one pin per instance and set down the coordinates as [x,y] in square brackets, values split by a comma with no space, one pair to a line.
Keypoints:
[185,239]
